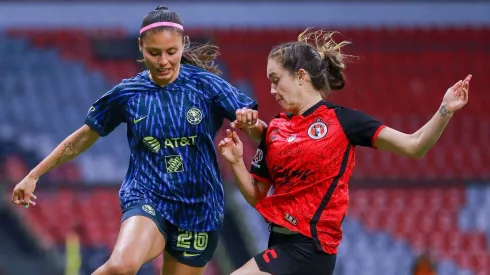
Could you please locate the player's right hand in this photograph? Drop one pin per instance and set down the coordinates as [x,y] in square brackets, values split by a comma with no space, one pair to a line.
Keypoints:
[231,147]
[23,192]
[245,118]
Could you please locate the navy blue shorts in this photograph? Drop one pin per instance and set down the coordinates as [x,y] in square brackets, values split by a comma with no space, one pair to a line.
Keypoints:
[291,253]
[190,248]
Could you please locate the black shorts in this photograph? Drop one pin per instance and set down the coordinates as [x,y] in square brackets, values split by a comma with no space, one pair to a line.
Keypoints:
[291,253]
[190,248]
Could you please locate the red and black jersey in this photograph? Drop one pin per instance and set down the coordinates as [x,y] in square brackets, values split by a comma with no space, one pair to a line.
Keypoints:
[309,160]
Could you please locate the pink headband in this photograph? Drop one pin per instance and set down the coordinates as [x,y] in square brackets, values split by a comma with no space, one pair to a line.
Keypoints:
[161,24]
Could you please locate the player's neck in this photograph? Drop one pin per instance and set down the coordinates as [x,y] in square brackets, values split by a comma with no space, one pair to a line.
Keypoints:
[310,102]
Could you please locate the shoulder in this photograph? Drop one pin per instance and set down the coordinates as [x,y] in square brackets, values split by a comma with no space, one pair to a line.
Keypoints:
[130,86]
[343,112]
[139,81]
[203,77]
[339,110]
[127,89]
[355,122]
[331,105]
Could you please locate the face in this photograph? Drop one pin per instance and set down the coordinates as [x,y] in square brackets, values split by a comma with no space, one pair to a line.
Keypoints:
[162,52]
[285,87]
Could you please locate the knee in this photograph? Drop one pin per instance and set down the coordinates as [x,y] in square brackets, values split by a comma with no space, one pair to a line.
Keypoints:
[121,267]
[250,268]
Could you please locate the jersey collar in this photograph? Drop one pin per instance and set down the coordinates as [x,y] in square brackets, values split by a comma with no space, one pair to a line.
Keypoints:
[178,81]
[310,110]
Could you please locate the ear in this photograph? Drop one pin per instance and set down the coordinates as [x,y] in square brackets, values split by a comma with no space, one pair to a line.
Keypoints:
[139,44]
[302,76]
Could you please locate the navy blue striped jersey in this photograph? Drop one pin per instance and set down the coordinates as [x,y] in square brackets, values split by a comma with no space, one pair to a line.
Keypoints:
[173,164]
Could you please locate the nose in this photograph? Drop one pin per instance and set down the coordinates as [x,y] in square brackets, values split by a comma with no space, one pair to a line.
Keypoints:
[273,91]
[163,61]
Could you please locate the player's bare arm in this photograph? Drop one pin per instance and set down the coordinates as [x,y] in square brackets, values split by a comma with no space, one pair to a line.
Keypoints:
[75,144]
[419,143]
[72,146]
[232,149]
[248,121]
[252,190]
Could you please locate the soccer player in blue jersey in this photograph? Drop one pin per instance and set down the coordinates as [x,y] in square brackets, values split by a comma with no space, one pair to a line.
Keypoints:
[172,196]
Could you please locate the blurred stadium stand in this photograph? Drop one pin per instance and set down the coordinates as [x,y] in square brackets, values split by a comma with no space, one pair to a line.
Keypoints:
[400,208]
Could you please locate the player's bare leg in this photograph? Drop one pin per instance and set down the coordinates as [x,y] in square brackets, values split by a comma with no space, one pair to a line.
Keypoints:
[139,241]
[172,267]
[250,268]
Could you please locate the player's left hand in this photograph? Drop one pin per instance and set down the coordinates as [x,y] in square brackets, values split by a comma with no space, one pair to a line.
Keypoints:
[231,147]
[456,97]
[245,118]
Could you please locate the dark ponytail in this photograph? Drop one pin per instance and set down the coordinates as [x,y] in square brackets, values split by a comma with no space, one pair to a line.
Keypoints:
[335,70]
[332,58]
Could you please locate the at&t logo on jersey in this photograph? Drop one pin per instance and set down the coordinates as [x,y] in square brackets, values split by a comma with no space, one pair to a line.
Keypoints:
[152,144]
[317,130]
[259,155]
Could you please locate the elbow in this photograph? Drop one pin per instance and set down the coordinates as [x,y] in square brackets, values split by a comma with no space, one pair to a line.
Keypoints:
[253,201]
[418,154]
[416,150]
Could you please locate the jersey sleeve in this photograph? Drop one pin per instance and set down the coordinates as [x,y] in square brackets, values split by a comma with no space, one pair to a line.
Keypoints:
[228,99]
[360,128]
[259,169]
[107,112]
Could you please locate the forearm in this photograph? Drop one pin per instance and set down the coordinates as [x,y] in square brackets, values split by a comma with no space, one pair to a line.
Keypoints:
[257,133]
[419,143]
[71,147]
[428,135]
[246,183]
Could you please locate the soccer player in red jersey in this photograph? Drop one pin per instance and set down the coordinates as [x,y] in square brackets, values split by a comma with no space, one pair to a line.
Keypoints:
[307,156]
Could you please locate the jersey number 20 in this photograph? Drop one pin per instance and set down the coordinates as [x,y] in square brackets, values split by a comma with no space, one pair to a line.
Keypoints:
[198,239]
